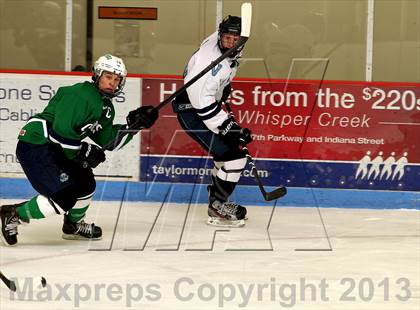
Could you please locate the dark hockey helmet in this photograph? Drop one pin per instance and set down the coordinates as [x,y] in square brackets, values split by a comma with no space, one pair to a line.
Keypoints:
[111,64]
[231,25]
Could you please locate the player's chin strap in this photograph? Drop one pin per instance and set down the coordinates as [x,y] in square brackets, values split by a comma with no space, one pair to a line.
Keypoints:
[268,196]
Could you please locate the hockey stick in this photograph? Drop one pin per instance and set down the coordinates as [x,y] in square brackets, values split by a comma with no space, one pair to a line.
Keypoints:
[268,196]
[246,16]
[9,283]
[12,285]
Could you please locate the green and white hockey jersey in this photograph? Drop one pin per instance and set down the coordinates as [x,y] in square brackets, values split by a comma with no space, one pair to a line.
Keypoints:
[74,113]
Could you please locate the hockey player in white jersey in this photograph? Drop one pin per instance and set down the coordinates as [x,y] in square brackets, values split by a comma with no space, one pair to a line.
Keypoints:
[200,113]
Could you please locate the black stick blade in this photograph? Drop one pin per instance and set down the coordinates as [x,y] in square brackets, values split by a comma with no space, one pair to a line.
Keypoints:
[275,194]
[10,284]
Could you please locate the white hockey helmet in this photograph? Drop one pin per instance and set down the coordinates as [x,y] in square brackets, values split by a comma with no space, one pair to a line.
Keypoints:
[111,64]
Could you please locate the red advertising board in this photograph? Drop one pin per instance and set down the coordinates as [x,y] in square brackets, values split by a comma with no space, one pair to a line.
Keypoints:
[309,120]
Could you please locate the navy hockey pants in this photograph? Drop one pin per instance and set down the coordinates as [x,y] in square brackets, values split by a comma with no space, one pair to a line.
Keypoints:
[53,175]
[218,148]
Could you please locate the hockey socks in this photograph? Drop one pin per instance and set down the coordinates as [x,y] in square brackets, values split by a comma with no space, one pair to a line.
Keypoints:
[30,210]
[76,215]
[40,207]
[78,212]
[220,189]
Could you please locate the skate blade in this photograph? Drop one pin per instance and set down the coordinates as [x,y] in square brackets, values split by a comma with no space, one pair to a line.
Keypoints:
[216,221]
[78,237]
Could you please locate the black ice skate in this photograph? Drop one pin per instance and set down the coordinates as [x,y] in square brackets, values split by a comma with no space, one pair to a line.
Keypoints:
[80,230]
[9,223]
[226,214]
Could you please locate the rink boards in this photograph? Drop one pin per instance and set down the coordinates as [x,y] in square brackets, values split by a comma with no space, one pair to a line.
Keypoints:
[337,135]
[329,134]
[316,174]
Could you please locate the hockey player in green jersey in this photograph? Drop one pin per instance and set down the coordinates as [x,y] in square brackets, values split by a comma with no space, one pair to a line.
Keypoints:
[57,161]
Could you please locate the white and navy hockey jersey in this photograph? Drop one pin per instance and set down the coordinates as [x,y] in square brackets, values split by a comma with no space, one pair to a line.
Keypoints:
[205,93]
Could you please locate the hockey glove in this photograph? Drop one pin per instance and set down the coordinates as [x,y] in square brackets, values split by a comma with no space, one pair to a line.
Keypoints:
[90,155]
[234,133]
[143,117]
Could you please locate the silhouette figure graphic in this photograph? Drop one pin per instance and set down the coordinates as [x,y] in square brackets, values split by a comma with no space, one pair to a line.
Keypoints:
[400,164]
[363,163]
[387,168]
[375,168]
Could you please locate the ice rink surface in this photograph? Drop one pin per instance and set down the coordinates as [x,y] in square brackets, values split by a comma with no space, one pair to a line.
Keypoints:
[155,256]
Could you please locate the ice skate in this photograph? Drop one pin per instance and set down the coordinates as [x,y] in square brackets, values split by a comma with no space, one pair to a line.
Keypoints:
[9,223]
[80,230]
[226,214]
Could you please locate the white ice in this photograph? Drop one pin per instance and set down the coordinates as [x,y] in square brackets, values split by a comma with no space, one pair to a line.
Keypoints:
[284,258]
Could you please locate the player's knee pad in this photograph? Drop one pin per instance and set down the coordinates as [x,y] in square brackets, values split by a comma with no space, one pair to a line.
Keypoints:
[231,170]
